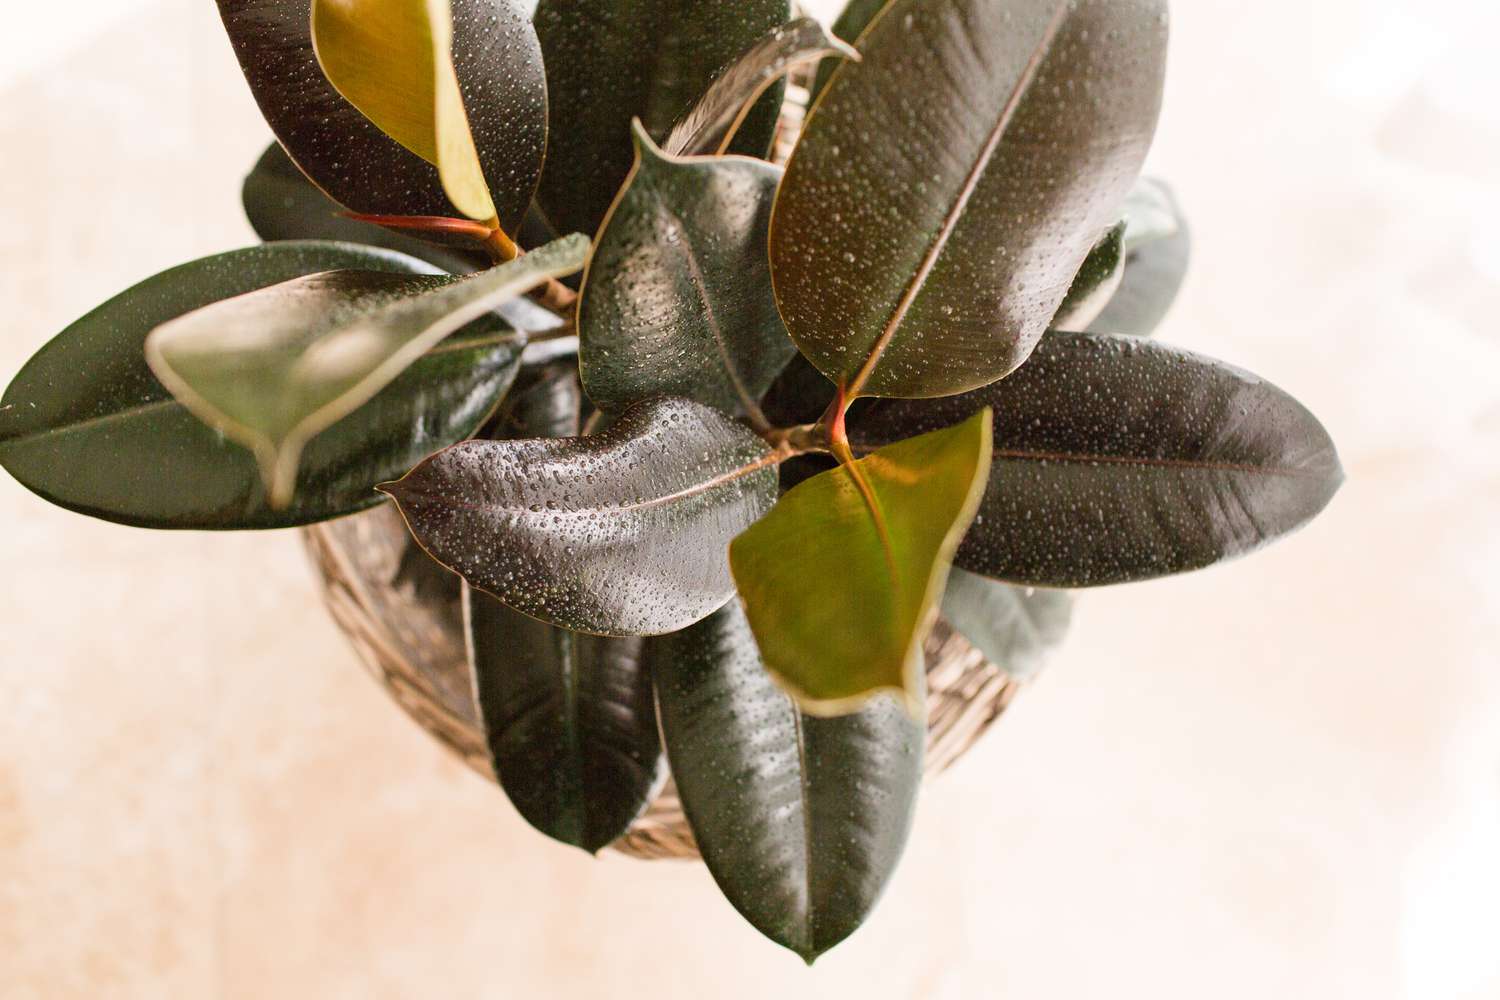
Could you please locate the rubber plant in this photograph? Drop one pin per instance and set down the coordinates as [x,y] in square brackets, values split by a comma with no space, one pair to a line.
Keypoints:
[712,464]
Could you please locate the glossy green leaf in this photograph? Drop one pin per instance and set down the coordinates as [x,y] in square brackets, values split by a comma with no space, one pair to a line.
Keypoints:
[1157,247]
[393,60]
[947,188]
[848,26]
[620,533]
[609,62]
[1014,627]
[570,719]
[498,64]
[800,820]
[282,204]
[1118,459]
[274,367]
[87,426]
[546,401]
[1095,284]
[842,580]
[677,297]
[717,116]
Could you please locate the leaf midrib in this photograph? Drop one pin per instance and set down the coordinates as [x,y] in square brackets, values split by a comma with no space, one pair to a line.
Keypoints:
[1087,458]
[698,488]
[700,286]
[965,193]
[171,402]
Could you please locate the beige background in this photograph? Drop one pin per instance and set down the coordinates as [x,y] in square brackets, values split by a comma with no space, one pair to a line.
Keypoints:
[1280,777]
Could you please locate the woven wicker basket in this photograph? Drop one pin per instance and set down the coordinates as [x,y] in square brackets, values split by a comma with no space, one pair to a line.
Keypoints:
[401,611]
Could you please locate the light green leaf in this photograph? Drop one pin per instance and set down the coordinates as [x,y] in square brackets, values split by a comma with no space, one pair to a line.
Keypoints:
[274,367]
[841,580]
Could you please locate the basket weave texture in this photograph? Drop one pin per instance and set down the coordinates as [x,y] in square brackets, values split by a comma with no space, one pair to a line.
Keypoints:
[402,613]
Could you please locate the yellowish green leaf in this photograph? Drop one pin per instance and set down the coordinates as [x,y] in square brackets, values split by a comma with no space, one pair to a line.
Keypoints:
[842,579]
[393,60]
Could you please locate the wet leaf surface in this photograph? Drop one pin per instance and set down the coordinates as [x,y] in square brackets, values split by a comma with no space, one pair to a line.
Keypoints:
[608,62]
[925,235]
[841,581]
[88,426]
[274,367]
[620,533]
[393,60]
[570,719]
[800,820]
[848,26]
[1118,459]
[677,297]
[498,63]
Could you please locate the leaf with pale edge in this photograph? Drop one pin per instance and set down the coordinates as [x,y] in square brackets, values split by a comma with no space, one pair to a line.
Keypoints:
[273,367]
[841,581]
[498,63]
[86,425]
[393,60]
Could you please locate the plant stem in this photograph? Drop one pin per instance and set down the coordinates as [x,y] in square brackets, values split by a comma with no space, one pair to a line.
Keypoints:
[789,442]
[558,297]
[838,434]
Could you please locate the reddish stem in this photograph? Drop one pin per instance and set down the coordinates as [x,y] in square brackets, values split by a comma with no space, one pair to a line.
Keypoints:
[426,223]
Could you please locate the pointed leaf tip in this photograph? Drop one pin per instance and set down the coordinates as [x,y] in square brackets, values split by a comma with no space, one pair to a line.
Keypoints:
[677,297]
[800,820]
[1119,459]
